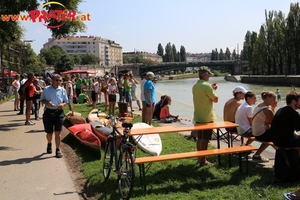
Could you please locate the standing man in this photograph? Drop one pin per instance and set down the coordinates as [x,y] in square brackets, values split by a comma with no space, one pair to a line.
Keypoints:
[149,91]
[54,97]
[28,94]
[144,106]
[204,95]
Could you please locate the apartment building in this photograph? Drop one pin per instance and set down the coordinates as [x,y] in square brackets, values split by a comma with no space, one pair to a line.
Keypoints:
[109,52]
[153,56]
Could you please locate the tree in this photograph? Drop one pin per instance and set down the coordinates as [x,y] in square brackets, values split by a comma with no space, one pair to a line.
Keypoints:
[216,54]
[65,63]
[77,59]
[33,62]
[227,54]
[260,52]
[148,62]
[52,55]
[221,55]
[169,53]
[294,30]
[160,50]
[126,60]
[174,52]
[89,59]
[234,55]
[11,31]
[182,54]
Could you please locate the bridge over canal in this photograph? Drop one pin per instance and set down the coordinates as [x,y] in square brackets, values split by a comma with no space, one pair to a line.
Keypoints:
[233,67]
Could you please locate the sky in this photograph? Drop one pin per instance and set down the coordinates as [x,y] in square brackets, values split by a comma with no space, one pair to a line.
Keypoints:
[140,25]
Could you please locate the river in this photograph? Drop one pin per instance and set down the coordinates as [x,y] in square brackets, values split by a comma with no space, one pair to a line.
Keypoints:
[182,99]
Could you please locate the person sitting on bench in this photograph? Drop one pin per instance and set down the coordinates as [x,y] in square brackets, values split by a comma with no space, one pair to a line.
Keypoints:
[165,115]
[231,106]
[262,118]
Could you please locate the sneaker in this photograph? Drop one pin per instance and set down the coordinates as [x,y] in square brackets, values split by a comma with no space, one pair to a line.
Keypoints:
[260,159]
[58,154]
[49,148]
[29,123]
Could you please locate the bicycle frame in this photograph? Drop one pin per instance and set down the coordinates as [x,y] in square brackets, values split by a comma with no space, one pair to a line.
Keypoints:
[124,160]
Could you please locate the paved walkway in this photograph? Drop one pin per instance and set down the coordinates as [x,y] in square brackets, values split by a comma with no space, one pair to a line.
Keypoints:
[26,171]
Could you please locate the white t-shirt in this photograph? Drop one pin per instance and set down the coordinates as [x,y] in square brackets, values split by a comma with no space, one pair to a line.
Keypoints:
[242,114]
[112,89]
[142,89]
[70,87]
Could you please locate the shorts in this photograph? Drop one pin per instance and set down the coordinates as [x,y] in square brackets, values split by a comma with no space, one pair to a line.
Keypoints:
[232,130]
[248,133]
[134,95]
[112,98]
[94,96]
[16,94]
[206,134]
[53,119]
[128,97]
[266,136]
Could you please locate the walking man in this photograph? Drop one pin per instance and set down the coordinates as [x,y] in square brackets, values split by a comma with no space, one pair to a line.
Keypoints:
[54,97]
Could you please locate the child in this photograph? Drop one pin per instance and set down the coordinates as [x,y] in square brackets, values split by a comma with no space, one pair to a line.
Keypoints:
[165,115]
[112,90]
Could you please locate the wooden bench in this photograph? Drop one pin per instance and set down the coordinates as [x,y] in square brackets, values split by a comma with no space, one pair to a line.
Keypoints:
[229,137]
[211,152]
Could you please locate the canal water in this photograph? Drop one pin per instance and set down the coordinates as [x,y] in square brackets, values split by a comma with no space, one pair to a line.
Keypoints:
[182,99]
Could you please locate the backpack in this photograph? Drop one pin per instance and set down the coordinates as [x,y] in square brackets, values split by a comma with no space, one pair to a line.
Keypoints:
[20,90]
[287,165]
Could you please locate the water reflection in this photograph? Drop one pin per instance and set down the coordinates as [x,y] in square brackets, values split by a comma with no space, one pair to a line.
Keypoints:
[182,101]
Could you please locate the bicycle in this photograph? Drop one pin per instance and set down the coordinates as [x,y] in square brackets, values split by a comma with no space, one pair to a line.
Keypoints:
[124,164]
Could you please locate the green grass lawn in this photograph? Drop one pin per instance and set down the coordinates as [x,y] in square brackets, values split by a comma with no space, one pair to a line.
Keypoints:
[182,179]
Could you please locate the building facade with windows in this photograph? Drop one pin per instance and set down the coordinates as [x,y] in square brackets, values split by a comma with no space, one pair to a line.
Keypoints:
[109,52]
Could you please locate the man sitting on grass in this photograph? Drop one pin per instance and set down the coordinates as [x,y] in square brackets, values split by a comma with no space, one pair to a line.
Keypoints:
[83,98]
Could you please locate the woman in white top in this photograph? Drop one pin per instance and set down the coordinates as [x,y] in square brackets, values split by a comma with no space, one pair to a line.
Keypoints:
[95,87]
[262,118]
[134,92]
[16,87]
[112,98]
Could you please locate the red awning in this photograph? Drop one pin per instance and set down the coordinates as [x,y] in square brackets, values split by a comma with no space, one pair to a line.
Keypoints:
[12,73]
[78,71]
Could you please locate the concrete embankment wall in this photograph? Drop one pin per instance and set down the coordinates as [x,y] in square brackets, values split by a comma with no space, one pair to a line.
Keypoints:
[233,78]
[272,80]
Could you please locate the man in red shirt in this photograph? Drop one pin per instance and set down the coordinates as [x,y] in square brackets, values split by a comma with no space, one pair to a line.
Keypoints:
[28,92]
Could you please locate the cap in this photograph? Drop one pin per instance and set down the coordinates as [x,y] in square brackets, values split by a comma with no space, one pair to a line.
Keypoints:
[239,89]
[204,69]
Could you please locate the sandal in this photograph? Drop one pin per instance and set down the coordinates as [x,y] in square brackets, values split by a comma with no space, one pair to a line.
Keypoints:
[291,196]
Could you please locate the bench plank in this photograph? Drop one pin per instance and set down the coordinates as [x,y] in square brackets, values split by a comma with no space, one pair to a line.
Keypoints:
[209,152]
[182,128]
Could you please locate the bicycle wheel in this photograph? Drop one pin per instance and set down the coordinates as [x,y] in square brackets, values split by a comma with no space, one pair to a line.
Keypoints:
[126,173]
[107,160]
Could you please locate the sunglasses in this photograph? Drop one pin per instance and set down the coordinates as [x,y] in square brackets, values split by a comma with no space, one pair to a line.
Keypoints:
[58,80]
